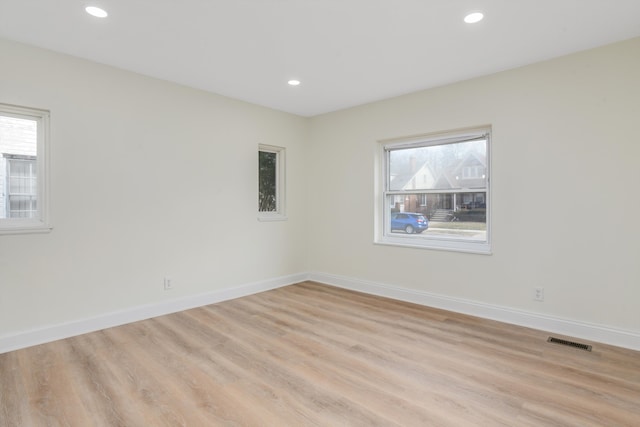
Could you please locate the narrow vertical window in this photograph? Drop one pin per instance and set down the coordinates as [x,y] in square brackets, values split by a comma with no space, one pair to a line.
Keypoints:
[23,169]
[267,186]
[271,183]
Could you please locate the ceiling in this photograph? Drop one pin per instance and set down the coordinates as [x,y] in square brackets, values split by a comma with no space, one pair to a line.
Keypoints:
[345,52]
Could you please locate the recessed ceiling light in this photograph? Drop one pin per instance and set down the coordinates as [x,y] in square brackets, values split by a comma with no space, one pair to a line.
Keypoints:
[96,11]
[474,17]
[294,82]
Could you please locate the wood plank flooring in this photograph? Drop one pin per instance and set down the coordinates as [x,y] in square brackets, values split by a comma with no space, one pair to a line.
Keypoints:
[315,355]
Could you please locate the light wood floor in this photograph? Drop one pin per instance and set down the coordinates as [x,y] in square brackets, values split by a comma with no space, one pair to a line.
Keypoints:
[310,354]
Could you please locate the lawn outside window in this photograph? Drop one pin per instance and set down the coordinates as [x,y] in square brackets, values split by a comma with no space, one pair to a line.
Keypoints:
[433,191]
[271,183]
[24,146]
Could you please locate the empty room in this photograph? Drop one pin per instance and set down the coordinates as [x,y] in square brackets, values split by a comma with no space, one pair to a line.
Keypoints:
[323,213]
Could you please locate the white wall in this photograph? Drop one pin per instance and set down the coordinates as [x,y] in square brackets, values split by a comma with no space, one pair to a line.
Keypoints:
[152,179]
[148,179]
[566,152]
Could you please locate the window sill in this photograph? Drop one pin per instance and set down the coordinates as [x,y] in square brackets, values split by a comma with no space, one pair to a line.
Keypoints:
[24,227]
[271,217]
[481,248]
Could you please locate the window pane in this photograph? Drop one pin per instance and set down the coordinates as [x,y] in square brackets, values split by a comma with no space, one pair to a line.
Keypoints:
[439,167]
[22,207]
[18,159]
[458,205]
[22,193]
[447,216]
[267,164]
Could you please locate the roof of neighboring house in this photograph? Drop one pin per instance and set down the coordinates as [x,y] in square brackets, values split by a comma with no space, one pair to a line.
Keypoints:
[450,178]
[413,180]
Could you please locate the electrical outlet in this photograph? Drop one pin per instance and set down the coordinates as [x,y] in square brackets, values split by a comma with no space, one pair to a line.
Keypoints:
[538,294]
[168,283]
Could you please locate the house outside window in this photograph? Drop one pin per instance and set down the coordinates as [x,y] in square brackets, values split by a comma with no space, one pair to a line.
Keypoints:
[271,183]
[21,189]
[470,172]
[444,177]
[23,169]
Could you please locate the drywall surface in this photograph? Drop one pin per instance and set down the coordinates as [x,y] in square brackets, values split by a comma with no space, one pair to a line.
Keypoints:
[151,179]
[565,153]
[148,179]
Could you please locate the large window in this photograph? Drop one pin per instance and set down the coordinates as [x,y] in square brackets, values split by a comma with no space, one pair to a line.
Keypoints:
[23,162]
[271,183]
[434,191]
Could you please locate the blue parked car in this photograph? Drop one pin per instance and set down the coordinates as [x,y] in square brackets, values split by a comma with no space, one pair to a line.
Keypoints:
[410,222]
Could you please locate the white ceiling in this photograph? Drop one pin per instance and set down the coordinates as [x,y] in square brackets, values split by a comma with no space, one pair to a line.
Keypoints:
[345,52]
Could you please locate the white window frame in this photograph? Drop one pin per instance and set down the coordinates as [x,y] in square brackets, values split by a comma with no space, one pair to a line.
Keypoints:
[382,232]
[41,222]
[280,213]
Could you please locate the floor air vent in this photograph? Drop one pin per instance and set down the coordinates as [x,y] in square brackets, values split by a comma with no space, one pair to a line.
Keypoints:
[569,343]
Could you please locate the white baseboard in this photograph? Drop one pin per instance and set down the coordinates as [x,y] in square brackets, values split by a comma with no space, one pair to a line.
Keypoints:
[134,314]
[570,328]
[556,325]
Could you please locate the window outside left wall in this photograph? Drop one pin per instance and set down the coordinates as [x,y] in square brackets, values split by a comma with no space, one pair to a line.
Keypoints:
[24,144]
[271,183]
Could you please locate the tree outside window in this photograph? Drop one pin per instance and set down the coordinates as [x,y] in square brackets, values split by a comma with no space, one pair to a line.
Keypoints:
[271,183]
[267,181]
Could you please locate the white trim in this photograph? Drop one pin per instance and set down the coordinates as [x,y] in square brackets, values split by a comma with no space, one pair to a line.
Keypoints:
[134,314]
[24,226]
[572,328]
[271,216]
[598,333]
[419,242]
